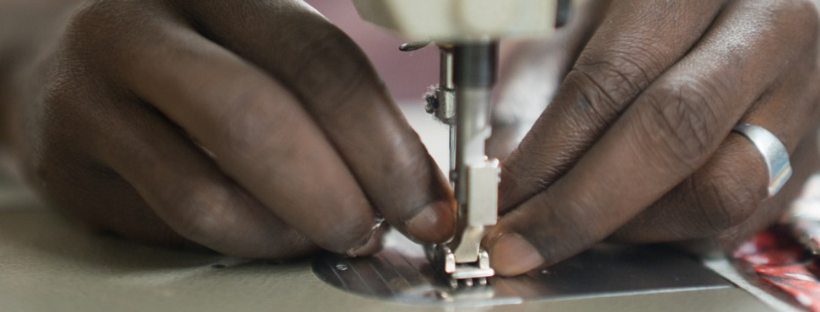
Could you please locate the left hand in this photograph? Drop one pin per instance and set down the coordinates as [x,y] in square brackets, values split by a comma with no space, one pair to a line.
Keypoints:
[637,144]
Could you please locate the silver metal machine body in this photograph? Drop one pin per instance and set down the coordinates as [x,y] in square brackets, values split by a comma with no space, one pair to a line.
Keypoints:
[467,33]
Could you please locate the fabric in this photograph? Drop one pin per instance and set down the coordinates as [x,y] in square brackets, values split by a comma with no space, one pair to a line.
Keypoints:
[779,260]
[784,256]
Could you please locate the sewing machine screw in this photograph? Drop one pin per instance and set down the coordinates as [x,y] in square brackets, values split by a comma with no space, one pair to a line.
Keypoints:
[341,267]
[432,103]
[413,46]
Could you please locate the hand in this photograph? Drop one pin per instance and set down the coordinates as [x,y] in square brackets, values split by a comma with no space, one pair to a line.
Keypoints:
[637,144]
[254,128]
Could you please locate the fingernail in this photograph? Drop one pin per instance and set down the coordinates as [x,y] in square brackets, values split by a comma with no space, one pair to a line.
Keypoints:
[373,243]
[511,254]
[433,224]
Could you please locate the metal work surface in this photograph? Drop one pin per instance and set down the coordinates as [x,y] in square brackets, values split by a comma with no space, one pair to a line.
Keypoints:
[401,272]
[48,264]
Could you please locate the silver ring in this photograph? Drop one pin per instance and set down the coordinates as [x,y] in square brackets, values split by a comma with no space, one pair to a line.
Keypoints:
[774,154]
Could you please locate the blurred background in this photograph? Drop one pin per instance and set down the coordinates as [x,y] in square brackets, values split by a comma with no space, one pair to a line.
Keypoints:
[407,74]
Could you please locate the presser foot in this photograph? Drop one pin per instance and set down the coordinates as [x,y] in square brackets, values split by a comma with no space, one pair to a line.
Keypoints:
[467,274]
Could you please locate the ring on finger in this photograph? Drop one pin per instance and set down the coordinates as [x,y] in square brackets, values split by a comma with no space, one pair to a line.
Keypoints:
[774,154]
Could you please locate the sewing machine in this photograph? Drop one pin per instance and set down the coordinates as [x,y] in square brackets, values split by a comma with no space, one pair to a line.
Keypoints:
[467,33]
[50,264]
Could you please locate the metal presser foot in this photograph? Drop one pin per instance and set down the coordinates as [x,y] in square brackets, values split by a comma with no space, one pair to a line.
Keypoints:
[462,100]
[457,274]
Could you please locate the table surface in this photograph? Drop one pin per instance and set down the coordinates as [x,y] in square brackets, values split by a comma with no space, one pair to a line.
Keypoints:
[49,264]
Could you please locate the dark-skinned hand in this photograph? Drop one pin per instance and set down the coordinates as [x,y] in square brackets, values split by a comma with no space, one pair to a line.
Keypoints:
[253,128]
[258,129]
[637,143]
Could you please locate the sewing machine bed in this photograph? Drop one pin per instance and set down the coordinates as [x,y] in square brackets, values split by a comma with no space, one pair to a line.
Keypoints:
[49,264]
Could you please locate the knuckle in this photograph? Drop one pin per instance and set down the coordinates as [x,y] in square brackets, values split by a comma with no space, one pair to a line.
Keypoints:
[100,20]
[202,215]
[724,202]
[606,86]
[537,169]
[247,132]
[679,124]
[91,13]
[800,14]
[545,238]
[240,131]
[549,227]
[794,23]
[331,70]
[103,33]
[538,161]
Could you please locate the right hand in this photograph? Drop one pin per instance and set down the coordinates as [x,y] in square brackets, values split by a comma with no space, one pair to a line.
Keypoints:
[637,145]
[254,128]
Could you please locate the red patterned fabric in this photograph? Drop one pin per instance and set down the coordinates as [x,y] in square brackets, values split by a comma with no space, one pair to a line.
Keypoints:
[778,259]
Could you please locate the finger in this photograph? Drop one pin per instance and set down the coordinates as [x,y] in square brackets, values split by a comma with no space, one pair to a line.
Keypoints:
[630,50]
[333,79]
[730,188]
[532,72]
[186,189]
[806,162]
[259,134]
[670,131]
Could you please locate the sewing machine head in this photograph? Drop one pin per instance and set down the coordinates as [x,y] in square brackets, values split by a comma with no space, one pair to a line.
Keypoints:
[453,21]
[467,33]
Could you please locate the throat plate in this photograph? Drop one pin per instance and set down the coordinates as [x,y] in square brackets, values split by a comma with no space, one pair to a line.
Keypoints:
[402,273]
